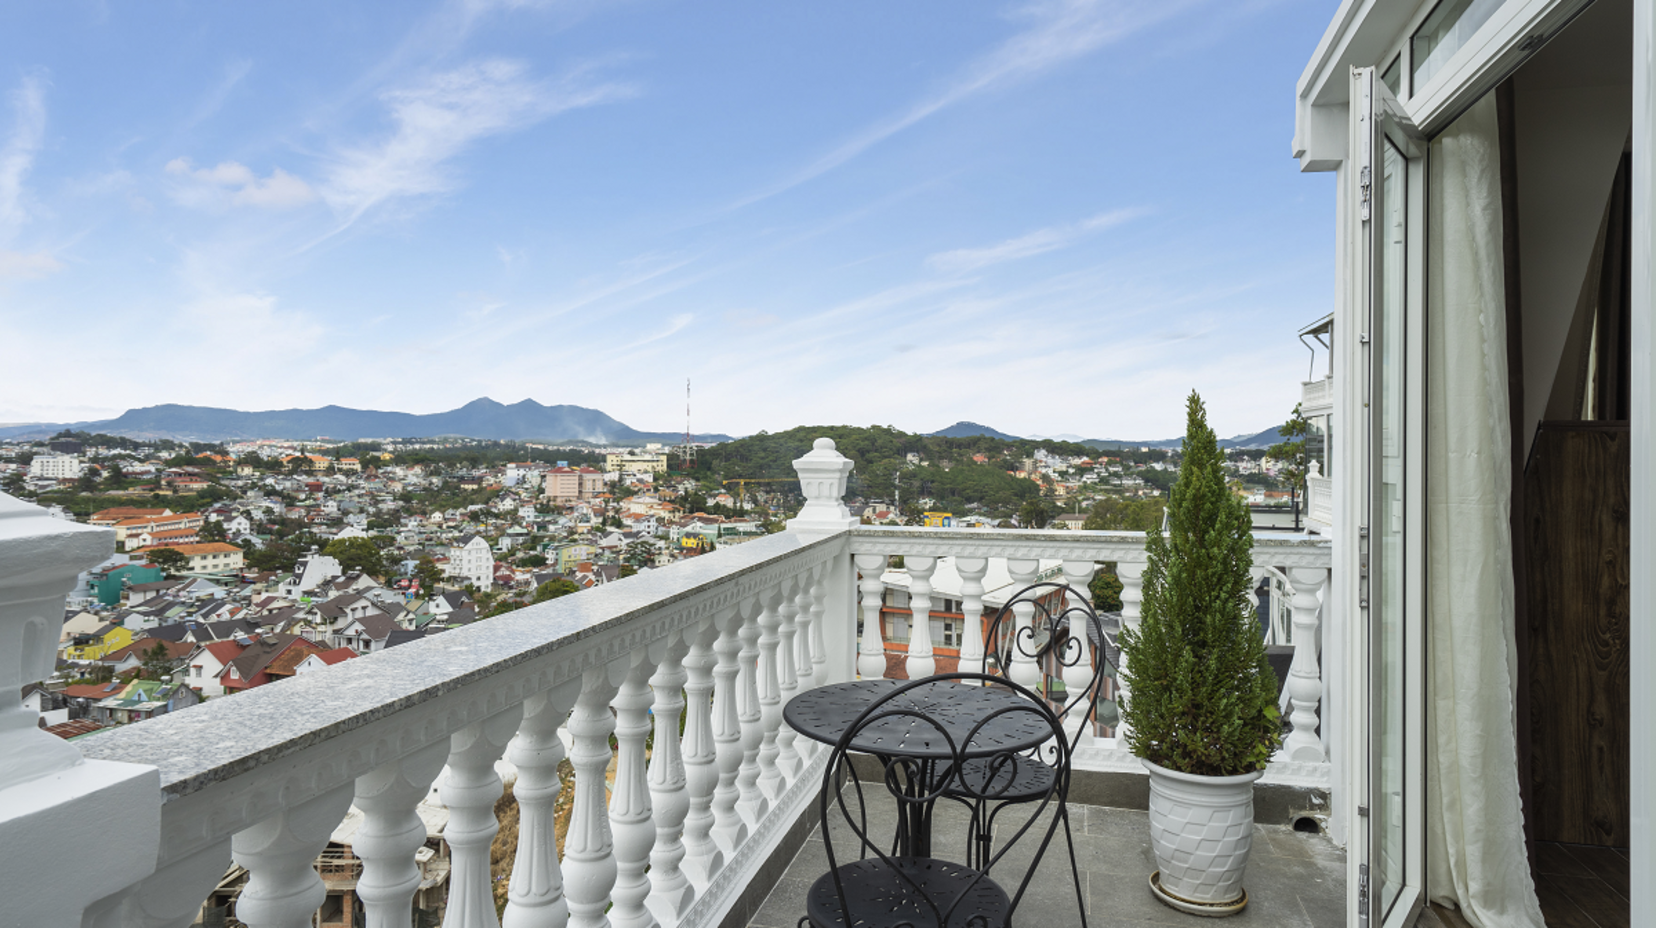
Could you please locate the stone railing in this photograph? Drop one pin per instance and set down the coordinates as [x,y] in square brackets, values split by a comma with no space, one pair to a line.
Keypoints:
[1319,500]
[150,816]
[1300,562]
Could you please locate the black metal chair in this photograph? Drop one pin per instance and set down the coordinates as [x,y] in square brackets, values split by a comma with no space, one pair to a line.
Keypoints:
[1047,643]
[877,890]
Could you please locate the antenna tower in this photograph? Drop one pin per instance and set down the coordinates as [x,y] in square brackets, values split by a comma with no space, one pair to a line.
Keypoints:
[687,451]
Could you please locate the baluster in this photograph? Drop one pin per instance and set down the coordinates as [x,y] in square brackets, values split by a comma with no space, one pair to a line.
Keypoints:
[1263,616]
[629,809]
[535,898]
[1305,674]
[1024,670]
[871,657]
[753,802]
[470,789]
[819,611]
[283,889]
[703,858]
[392,833]
[774,601]
[670,890]
[589,854]
[805,644]
[1131,575]
[920,661]
[1077,672]
[787,681]
[972,571]
[729,828]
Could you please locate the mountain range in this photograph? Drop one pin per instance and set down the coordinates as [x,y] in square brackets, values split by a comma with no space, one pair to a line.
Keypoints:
[482,418]
[964,429]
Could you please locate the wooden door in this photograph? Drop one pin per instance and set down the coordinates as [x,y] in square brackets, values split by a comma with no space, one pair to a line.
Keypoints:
[1576,510]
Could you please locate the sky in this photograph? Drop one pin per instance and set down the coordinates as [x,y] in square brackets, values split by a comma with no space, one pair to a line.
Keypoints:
[1047,217]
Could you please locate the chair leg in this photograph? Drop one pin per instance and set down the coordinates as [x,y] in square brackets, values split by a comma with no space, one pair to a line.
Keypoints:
[1075,871]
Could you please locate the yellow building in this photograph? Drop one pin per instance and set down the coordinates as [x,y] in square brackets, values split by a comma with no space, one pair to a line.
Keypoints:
[95,644]
[636,461]
[939,520]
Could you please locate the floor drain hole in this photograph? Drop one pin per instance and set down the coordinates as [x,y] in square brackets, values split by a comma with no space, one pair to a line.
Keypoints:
[1307,825]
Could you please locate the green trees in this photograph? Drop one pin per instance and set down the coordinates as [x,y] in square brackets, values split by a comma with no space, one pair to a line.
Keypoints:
[1291,451]
[1203,700]
[357,554]
[170,560]
[429,575]
[157,663]
[212,530]
[1034,514]
[1124,515]
[552,589]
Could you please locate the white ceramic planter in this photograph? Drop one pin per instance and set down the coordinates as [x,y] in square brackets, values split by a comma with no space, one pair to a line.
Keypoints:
[1201,829]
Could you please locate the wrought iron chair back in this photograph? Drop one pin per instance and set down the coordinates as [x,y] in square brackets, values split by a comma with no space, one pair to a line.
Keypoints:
[1060,635]
[913,892]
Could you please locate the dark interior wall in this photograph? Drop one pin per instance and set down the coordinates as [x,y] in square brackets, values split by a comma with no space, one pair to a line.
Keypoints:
[1573,107]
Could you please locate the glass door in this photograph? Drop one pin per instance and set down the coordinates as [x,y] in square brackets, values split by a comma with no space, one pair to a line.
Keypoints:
[1391,187]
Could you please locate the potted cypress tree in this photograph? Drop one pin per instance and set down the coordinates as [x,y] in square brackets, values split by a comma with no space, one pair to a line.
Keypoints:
[1202,703]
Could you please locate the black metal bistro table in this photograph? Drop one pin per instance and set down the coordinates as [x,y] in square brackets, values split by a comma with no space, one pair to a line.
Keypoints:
[824,713]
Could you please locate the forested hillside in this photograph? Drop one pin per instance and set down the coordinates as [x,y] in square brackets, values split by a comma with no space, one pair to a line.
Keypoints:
[947,473]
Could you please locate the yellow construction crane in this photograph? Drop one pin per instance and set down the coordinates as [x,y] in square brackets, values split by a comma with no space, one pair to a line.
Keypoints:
[742,482]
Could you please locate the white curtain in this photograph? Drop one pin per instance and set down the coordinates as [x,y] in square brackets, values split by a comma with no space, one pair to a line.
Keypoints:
[1474,817]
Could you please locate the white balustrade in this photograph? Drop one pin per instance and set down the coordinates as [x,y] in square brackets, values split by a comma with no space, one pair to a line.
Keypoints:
[589,863]
[1077,667]
[283,889]
[721,641]
[774,602]
[787,681]
[871,657]
[1304,674]
[1131,576]
[535,898]
[670,888]
[819,649]
[1024,670]
[470,789]
[702,856]
[729,827]
[972,571]
[752,802]
[921,661]
[392,832]
[629,808]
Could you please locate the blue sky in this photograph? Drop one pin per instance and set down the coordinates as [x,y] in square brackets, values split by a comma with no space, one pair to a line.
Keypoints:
[1047,217]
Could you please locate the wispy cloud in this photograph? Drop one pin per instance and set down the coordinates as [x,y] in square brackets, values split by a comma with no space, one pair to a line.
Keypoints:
[1059,31]
[17,156]
[235,183]
[234,72]
[438,118]
[18,266]
[1052,238]
[673,327]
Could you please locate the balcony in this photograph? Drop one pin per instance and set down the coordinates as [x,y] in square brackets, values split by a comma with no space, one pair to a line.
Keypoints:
[663,828]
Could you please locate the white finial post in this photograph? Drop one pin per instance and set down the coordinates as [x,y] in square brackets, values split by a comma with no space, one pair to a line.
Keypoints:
[50,798]
[823,473]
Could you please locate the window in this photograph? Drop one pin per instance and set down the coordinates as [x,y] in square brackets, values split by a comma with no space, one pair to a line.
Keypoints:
[1392,77]
[1442,34]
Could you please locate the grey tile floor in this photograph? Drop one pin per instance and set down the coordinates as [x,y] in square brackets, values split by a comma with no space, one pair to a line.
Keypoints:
[1294,880]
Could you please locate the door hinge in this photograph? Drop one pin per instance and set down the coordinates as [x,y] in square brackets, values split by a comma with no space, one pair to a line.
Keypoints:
[1362,895]
[1365,184]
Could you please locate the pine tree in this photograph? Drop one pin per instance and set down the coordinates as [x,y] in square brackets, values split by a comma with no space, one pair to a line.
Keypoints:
[1202,698]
